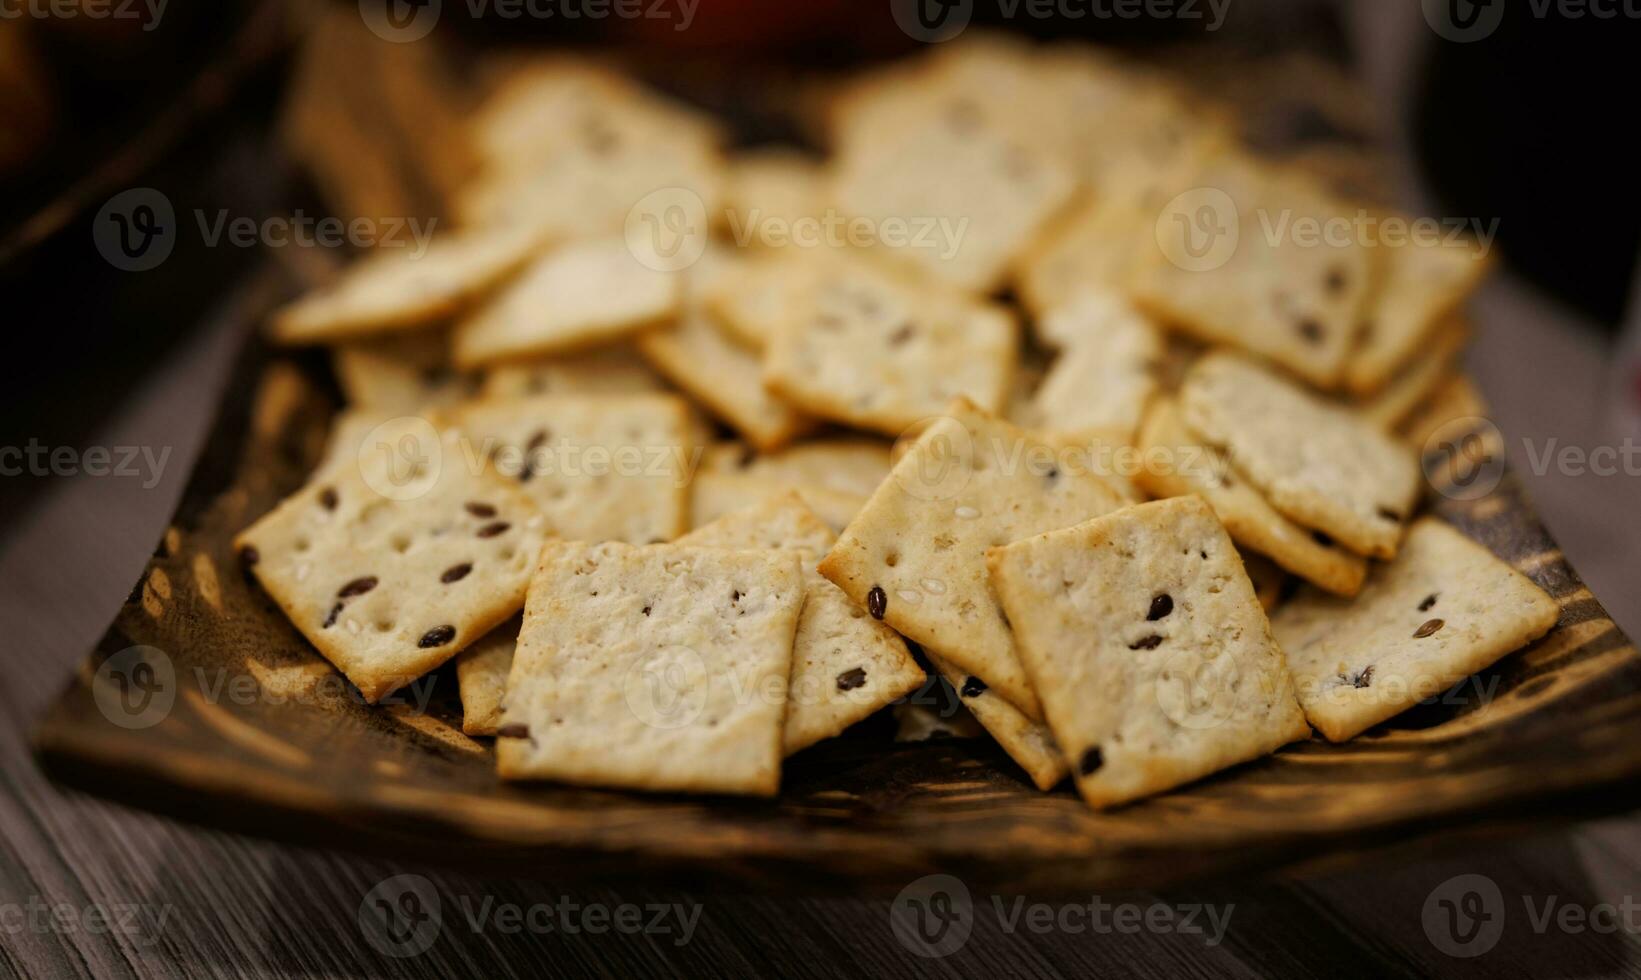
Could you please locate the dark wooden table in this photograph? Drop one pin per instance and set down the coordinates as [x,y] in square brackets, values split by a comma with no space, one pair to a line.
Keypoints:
[93,889]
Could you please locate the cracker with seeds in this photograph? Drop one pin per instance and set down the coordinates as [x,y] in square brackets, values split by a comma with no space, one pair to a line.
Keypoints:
[403,288]
[1253,257]
[1318,463]
[1106,372]
[915,556]
[481,677]
[1177,464]
[845,665]
[613,370]
[870,349]
[718,493]
[601,467]
[655,668]
[399,372]
[1420,285]
[392,566]
[1030,744]
[576,296]
[1148,647]
[1444,609]
[845,464]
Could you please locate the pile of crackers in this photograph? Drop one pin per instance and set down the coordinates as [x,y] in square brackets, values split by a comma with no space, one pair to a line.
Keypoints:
[684,497]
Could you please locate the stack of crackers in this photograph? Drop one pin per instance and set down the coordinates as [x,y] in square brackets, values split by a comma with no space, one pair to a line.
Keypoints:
[683,497]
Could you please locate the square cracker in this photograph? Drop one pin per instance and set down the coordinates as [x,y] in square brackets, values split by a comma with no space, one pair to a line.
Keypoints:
[400,372]
[481,677]
[1219,267]
[871,349]
[1443,610]
[613,370]
[1318,463]
[1420,284]
[718,493]
[1148,647]
[601,467]
[1030,744]
[848,465]
[769,192]
[399,288]
[758,297]
[1176,464]
[845,665]
[1106,371]
[656,668]
[392,570]
[574,297]
[1420,377]
[915,556]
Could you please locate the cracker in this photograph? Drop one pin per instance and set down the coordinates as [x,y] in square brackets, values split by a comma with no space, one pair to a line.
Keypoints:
[1177,464]
[1106,372]
[1419,378]
[915,555]
[399,372]
[1148,647]
[1028,743]
[654,668]
[848,465]
[1420,284]
[753,302]
[770,195]
[1455,398]
[845,665]
[875,351]
[1321,465]
[715,494]
[391,567]
[613,370]
[601,467]
[481,676]
[574,297]
[1271,289]
[401,288]
[1444,609]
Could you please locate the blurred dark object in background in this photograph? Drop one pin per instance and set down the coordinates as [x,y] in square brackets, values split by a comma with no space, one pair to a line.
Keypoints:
[1534,125]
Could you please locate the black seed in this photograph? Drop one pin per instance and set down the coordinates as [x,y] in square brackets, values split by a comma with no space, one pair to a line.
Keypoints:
[1053,473]
[358,586]
[974,687]
[537,441]
[438,636]
[851,679]
[1336,280]
[1311,331]
[327,498]
[513,731]
[877,602]
[1429,601]
[526,472]
[1149,643]
[478,509]
[1429,629]
[900,336]
[1161,606]
[735,596]
[493,529]
[1091,762]
[330,619]
[1321,539]
[1363,679]
[249,556]
[1390,515]
[455,573]
[647,610]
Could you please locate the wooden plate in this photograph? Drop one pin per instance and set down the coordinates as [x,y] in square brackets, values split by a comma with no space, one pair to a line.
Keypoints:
[202,700]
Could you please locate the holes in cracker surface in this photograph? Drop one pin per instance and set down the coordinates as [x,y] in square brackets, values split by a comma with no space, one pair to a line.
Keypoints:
[400,543]
[892,559]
